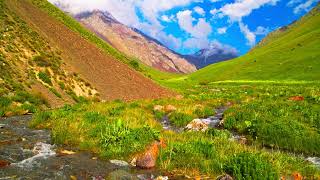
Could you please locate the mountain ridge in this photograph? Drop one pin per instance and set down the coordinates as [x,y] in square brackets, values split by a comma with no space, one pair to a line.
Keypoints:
[134,43]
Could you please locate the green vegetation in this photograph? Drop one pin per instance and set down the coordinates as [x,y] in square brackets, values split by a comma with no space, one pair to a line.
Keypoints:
[45,78]
[251,166]
[272,94]
[111,126]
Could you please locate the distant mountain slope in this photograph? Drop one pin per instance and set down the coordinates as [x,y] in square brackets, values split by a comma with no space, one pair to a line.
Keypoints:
[290,53]
[133,43]
[90,65]
[211,55]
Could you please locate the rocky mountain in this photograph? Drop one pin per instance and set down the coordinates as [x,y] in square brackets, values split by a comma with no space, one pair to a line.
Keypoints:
[214,54]
[134,43]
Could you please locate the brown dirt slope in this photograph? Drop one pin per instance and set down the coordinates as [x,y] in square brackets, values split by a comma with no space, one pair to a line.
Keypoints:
[113,79]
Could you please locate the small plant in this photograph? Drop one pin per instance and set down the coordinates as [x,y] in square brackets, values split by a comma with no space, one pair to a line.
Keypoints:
[135,65]
[180,119]
[250,166]
[55,92]
[45,78]
[5,102]
[41,61]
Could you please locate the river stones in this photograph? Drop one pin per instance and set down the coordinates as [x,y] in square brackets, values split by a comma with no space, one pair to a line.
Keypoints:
[119,163]
[4,163]
[197,125]
[148,159]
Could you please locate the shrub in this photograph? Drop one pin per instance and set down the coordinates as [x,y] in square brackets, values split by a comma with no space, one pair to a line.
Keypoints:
[5,102]
[197,154]
[42,61]
[118,140]
[40,117]
[250,166]
[135,65]
[180,119]
[45,78]
[55,92]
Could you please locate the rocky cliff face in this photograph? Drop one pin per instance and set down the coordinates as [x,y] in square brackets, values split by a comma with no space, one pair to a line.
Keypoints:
[134,43]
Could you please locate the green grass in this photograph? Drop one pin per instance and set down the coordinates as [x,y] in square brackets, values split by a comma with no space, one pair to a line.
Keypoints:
[121,130]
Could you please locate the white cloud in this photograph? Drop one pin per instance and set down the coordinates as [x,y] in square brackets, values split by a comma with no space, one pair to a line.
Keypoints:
[167,18]
[241,8]
[200,30]
[197,43]
[261,30]
[216,47]
[251,36]
[222,30]
[293,2]
[199,10]
[305,6]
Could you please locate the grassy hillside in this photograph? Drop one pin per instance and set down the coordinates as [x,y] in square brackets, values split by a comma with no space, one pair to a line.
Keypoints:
[290,53]
[33,72]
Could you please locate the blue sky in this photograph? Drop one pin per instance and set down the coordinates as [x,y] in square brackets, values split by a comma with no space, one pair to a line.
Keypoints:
[189,25]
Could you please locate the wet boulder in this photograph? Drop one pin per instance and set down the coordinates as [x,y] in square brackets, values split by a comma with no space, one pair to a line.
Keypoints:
[4,163]
[158,108]
[148,159]
[225,177]
[197,125]
[170,108]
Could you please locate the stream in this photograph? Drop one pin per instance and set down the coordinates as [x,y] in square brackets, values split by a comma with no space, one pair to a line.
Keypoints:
[214,122]
[29,154]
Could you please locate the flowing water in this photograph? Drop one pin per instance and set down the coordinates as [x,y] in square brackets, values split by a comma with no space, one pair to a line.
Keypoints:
[29,154]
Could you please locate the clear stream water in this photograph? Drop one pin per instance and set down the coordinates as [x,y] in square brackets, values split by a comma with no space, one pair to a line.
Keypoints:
[32,156]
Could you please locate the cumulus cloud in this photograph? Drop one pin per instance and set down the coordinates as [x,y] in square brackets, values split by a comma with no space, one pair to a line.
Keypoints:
[167,18]
[200,30]
[199,10]
[262,30]
[222,30]
[241,8]
[305,6]
[217,47]
[251,37]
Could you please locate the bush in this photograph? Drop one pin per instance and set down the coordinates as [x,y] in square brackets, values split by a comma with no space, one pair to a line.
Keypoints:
[118,140]
[40,117]
[5,102]
[135,65]
[197,154]
[180,119]
[41,61]
[250,166]
[45,78]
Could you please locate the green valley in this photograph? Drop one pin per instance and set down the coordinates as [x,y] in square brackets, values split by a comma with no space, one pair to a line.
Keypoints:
[253,117]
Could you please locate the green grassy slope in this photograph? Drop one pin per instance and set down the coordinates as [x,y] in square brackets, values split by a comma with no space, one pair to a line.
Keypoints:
[290,53]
